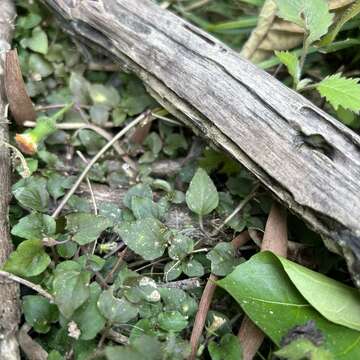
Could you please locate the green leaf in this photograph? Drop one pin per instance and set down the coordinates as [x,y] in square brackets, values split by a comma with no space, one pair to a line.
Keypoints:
[178,300]
[143,208]
[340,91]
[88,317]
[303,348]
[104,95]
[337,302]
[222,258]
[193,268]
[38,66]
[314,16]
[79,87]
[35,227]
[99,114]
[85,227]
[276,306]
[228,348]
[145,237]
[141,348]
[172,270]
[137,289]
[291,61]
[39,312]
[32,193]
[57,184]
[71,287]
[140,190]
[180,247]
[29,259]
[202,197]
[347,15]
[38,41]
[117,311]
[172,321]
[29,21]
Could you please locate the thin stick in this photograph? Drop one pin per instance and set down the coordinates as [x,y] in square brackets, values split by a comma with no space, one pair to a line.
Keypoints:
[71,192]
[82,157]
[119,261]
[27,283]
[68,126]
[206,299]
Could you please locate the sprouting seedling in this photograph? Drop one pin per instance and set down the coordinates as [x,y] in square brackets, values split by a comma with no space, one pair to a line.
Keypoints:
[29,141]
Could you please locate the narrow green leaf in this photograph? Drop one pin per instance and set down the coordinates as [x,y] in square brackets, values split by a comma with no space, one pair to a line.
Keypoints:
[202,197]
[340,91]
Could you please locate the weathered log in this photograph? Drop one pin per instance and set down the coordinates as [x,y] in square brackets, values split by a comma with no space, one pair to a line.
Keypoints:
[9,291]
[265,125]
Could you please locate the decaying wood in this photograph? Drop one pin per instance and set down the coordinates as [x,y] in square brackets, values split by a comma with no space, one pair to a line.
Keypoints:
[259,121]
[9,291]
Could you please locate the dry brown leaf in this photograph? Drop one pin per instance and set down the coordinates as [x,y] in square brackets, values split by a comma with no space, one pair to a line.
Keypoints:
[20,104]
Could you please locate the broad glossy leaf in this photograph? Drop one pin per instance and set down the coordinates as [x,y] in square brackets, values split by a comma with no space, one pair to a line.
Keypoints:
[39,312]
[116,310]
[337,302]
[71,287]
[269,298]
[35,227]
[227,349]
[29,259]
[145,237]
[202,197]
[85,227]
[341,91]
[88,317]
[141,288]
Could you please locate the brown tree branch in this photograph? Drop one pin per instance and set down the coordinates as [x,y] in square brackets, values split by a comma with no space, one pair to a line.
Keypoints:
[9,291]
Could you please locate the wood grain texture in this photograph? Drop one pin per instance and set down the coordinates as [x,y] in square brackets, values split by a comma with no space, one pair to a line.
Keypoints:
[262,123]
[9,291]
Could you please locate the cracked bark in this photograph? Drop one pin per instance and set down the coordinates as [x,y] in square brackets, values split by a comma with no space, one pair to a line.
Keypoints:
[259,121]
[9,291]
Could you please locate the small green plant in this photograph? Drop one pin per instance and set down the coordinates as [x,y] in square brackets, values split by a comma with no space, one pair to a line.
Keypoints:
[29,141]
